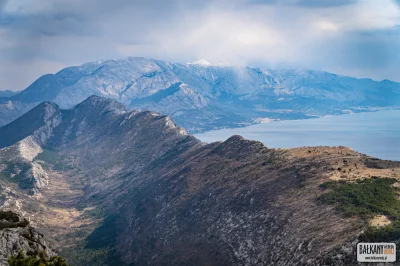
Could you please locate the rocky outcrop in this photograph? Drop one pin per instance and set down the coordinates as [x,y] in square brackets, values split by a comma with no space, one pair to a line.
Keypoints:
[17,165]
[16,234]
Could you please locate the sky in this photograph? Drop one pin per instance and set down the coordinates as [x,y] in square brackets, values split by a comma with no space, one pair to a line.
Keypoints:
[358,38]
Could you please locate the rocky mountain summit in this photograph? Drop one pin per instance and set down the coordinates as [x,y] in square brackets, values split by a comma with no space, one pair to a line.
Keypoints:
[216,95]
[16,234]
[123,187]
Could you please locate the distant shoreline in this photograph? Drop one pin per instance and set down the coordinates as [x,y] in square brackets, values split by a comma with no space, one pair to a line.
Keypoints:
[377,136]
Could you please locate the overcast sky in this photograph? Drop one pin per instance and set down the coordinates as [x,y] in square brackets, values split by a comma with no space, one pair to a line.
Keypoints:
[359,38]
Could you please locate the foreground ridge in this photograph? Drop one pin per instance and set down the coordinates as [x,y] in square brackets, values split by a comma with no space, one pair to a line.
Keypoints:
[121,187]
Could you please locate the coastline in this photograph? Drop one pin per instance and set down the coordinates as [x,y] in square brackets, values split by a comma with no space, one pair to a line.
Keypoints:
[365,132]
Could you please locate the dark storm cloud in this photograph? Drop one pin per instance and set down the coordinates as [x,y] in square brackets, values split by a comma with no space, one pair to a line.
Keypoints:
[373,50]
[83,17]
[34,31]
[64,17]
[46,24]
[377,49]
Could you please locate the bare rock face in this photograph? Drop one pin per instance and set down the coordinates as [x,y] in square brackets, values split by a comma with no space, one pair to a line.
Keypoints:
[17,165]
[37,124]
[121,187]
[16,234]
[24,141]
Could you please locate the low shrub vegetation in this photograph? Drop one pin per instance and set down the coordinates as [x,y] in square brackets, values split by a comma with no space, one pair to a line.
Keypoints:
[364,198]
[367,198]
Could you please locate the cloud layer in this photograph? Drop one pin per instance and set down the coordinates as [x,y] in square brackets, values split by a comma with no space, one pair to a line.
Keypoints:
[359,38]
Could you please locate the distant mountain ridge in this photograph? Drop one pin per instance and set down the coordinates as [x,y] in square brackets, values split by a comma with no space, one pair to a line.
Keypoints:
[201,96]
[8,93]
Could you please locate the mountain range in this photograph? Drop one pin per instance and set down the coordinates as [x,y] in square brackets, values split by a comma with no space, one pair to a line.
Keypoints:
[107,185]
[7,93]
[200,96]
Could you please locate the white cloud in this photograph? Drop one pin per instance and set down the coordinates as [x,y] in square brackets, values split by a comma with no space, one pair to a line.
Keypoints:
[369,15]
[327,26]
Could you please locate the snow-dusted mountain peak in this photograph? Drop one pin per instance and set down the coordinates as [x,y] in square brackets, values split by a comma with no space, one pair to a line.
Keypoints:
[201,62]
[203,95]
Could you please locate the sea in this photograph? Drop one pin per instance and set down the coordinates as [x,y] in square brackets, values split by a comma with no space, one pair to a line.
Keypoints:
[376,134]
